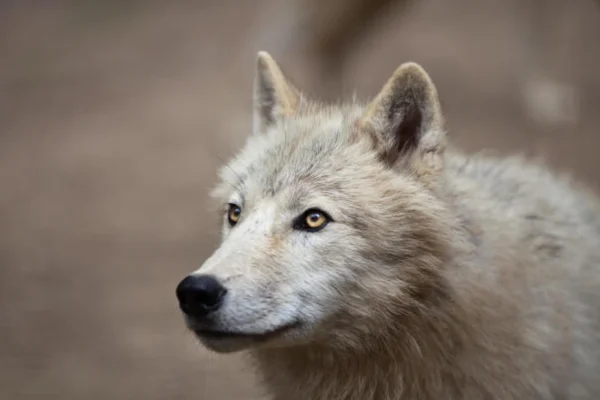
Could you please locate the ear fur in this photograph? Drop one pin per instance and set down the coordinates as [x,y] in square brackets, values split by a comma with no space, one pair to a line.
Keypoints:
[274,96]
[406,122]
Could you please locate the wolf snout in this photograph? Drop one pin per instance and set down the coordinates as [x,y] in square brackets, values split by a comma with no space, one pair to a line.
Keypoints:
[200,295]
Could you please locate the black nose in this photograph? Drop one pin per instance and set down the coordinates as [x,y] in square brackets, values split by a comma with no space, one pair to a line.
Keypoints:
[199,294]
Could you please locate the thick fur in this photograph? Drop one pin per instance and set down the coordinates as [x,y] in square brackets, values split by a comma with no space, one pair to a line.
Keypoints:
[440,276]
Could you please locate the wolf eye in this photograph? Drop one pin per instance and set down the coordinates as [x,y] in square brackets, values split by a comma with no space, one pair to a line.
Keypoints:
[233,214]
[312,220]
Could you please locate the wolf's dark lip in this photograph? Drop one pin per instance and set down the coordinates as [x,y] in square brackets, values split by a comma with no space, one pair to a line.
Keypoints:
[211,334]
[220,334]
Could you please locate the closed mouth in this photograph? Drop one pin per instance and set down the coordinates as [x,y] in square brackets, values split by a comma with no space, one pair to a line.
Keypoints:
[221,335]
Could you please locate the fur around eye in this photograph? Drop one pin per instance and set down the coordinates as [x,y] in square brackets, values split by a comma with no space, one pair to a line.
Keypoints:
[312,220]
[233,214]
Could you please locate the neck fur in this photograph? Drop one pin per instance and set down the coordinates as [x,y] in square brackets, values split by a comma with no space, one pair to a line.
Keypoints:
[414,356]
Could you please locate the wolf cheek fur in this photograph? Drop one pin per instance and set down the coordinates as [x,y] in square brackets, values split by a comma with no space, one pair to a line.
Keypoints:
[432,275]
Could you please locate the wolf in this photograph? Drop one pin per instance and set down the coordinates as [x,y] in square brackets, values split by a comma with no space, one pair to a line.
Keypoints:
[365,257]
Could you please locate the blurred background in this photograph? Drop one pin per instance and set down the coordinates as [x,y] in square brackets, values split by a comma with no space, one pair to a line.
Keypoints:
[115,115]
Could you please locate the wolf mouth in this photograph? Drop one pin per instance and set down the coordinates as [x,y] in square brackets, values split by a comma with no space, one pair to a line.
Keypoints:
[221,334]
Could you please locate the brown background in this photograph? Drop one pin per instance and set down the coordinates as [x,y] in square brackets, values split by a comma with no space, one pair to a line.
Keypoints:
[113,119]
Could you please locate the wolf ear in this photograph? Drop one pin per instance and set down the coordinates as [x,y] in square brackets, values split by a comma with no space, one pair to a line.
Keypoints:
[274,96]
[406,122]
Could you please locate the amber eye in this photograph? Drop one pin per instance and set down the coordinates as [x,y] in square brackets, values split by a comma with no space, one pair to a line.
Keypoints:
[233,214]
[315,220]
[312,220]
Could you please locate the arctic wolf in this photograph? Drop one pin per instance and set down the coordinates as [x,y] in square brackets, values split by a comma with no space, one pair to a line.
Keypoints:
[363,258]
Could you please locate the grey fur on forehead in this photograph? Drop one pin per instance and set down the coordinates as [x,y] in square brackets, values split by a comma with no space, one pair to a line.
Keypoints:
[303,146]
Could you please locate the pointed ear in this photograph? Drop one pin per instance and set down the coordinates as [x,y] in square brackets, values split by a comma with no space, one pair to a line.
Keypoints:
[274,96]
[406,122]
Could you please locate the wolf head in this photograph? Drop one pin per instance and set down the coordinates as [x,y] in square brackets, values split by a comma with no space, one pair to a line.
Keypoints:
[332,228]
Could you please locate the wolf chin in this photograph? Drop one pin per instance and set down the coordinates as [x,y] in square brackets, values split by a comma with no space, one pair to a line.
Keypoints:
[363,258]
